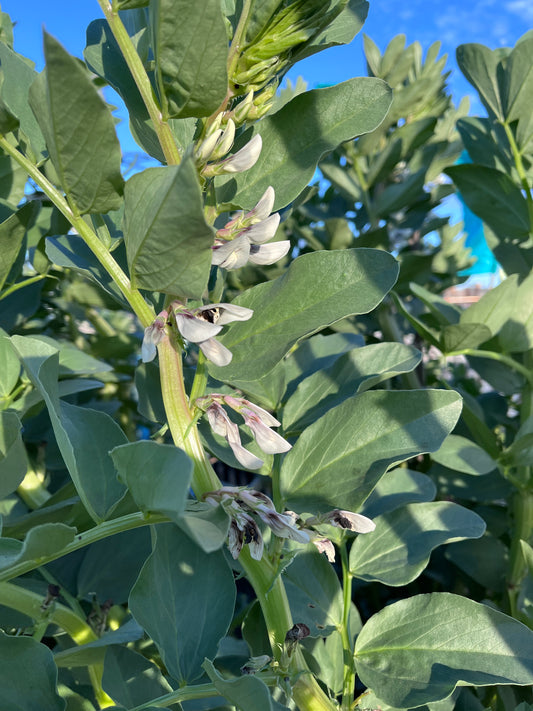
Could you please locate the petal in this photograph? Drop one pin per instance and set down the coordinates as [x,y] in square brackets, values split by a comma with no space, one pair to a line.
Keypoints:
[351,521]
[219,421]
[263,415]
[148,348]
[269,253]
[268,440]
[324,545]
[246,458]
[233,254]
[264,207]
[263,231]
[245,158]
[281,524]
[195,330]
[232,312]
[216,352]
[235,540]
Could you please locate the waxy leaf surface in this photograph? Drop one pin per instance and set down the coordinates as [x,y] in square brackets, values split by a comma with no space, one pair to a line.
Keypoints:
[191,47]
[79,131]
[339,459]
[417,650]
[178,604]
[396,488]
[84,436]
[168,241]
[398,550]
[12,232]
[299,134]
[13,459]
[157,475]
[317,290]
[247,693]
[28,675]
[463,455]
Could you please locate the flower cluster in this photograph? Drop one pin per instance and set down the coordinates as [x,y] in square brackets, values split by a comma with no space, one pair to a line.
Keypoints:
[240,503]
[258,420]
[243,238]
[209,154]
[199,325]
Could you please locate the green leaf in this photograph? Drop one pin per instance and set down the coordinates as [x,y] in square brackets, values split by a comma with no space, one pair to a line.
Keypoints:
[18,76]
[10,371]
[94,652]
[314,592]
[494,197]
[168,241]
[341,31]
[178,604]
[130,679]
[479,64]
[485,560]
[396,488]
[495,307]
[317,290]
[417,650]
[130,4]
[12,233]
[463,455]
[398,550]
[190,44]
[459,336]
[84,436]
[72,252]
[13,458]
[516,334]
[79,131]
[299,134]
[41,541]
[339,459]
[247,693]
[158,476]
[354,372]
[28,675]
[206,525]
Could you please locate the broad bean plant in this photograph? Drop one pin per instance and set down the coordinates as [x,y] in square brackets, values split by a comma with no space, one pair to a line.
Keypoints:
[202,473]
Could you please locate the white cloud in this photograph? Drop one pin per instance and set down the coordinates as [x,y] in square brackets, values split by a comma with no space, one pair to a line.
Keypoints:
[524,8]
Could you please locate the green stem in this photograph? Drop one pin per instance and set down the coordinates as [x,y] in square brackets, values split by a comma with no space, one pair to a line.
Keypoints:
[135,299]
[348,686]
[237,41]
[29,603]
[200,378]
[97,533]
[392,333]
[138,72]
[198,691]
[522,174]
[262,575]
[21,284]
[500,357]
[522,508]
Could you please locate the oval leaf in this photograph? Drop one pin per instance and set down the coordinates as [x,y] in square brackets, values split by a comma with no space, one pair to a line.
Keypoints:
[339,459]
[463,455]
[398,550]
[178,604]
[317,290]
[416,651]
[168,241]
[300,133]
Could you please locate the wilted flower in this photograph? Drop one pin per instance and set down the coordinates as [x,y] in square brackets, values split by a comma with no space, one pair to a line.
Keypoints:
[243,237]
[258,420]
[200,325]
[324,545]
[153,335]
[239,503]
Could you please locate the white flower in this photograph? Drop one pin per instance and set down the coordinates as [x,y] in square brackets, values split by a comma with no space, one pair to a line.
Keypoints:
[347,520]
[259,421]
[243,238]
[153,335]
[244,159]
[223,426]
[324,545]
[281,524]
[200,325]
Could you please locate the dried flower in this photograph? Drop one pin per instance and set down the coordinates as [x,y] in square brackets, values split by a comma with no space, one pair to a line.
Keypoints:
[324,545]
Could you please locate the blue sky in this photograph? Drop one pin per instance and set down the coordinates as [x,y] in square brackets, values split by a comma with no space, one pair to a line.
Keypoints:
[495,23]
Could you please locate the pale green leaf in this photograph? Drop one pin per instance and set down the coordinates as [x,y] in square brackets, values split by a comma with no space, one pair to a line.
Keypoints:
[398,550]
[13,459]
[317,290]
[417,650]
[339,459]
[463,455]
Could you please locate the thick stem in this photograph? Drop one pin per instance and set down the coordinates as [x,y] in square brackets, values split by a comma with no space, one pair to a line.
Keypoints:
[135,299]
[522,507]
[138,72]
[348,686]
[262,575]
